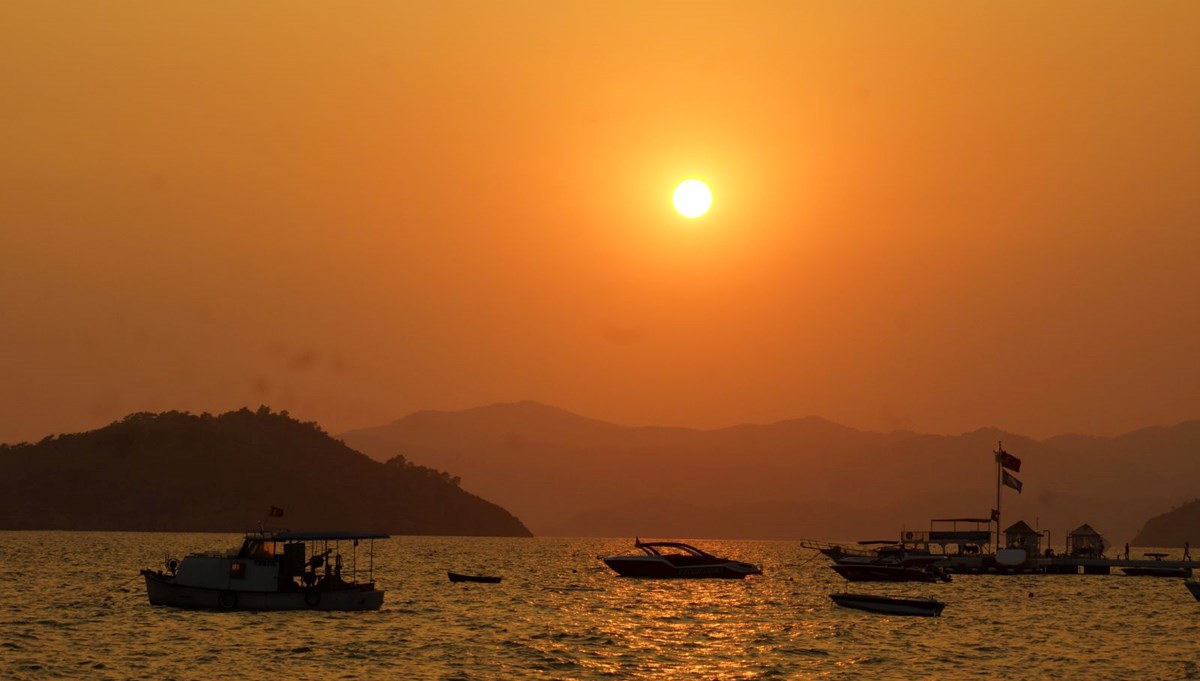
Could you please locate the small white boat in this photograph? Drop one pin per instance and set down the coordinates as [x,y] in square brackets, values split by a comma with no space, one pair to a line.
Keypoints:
[674,560]
[273,571]
[920,607]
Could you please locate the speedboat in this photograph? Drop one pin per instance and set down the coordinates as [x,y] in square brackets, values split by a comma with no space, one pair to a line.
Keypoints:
[890,563]
[920,607]
[885,571]
[674,560]
[273,571]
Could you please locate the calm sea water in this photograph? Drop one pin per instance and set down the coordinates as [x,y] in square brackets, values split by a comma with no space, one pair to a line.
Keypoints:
[74,607]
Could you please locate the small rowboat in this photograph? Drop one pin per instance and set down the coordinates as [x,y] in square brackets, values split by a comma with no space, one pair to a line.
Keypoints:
[920,607]
[455,577]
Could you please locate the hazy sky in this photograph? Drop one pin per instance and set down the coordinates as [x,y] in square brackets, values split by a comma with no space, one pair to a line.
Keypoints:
[927,215]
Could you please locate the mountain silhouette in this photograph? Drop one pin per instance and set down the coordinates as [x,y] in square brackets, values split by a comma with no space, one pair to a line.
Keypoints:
[565,474]
[180,472]
[1173,528]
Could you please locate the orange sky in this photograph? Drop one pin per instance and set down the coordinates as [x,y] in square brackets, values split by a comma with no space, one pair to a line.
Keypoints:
[934,216]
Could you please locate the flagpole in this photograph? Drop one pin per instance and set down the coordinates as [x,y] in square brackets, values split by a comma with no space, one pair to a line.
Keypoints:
[999,473]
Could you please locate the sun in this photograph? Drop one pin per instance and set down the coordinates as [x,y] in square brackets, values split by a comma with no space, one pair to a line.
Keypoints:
[692,198]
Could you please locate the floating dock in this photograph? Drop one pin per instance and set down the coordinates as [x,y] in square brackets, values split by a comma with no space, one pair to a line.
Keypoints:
[1059,565]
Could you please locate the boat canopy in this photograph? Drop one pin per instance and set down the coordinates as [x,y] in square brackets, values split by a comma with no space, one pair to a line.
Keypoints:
[325,536]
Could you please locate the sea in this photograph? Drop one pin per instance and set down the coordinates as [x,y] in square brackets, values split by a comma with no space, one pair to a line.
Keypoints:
[74,607]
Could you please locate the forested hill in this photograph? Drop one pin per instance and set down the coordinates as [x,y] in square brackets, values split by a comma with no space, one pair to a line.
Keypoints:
[180,472]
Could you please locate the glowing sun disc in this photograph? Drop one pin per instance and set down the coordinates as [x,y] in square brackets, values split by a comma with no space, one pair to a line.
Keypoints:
[692,198]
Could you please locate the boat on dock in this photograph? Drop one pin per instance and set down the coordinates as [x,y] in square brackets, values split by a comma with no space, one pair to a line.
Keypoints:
[1176,572]
[273,571]
[889,562]
[675,560]
[481,579]
[889,605]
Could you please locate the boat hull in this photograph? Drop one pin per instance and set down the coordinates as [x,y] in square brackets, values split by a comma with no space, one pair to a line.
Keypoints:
[456,577]
[637,566]
[865,572]
[164,590]
[914,607]
[1194,587]
[1179,573]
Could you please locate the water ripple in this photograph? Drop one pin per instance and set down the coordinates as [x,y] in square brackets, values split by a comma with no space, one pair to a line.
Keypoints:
[76,610]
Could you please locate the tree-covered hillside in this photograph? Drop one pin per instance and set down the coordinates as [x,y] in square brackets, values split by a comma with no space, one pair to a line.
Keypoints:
[180,472]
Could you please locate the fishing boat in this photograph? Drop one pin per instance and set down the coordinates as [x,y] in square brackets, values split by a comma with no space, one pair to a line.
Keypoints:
[273,571]
[887,605]
[675,560]
[456,577]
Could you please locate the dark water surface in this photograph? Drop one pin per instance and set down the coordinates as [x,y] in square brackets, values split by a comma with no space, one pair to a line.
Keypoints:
[74,607]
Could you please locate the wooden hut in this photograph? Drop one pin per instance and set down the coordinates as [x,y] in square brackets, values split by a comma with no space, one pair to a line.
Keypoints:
[1021,536]
[1085,542]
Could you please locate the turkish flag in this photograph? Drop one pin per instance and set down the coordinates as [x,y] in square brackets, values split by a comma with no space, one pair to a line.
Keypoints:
[1009,461]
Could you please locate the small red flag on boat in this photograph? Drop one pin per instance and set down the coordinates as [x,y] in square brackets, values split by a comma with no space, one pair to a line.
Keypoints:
[1008,461]
[276,512]
[995,515]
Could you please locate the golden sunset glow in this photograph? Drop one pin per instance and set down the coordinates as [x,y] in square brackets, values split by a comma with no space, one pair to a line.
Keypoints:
[692,198]
[492,210]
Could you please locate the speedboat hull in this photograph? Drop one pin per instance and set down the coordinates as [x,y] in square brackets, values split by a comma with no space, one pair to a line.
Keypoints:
[660,567]
[676,560]
[868,572]
[164,590]
[915,607]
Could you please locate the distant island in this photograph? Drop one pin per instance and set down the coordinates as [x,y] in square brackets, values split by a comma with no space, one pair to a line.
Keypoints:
[180,472]
[566,474]
[1173,528]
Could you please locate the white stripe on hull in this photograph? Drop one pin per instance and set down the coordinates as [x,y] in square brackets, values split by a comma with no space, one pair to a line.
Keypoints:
[163,592]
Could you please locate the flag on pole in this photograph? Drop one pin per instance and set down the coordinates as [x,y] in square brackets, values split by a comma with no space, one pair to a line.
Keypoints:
[995,515]
[1012,482]
[1008,461]
[275,512]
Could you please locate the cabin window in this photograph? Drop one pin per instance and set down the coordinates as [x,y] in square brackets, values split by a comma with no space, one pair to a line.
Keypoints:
[237,570]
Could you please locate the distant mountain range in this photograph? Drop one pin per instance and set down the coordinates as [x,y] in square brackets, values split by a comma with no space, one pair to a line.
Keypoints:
[180,472]
[565,474]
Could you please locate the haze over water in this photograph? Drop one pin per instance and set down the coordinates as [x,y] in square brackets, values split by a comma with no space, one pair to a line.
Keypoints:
[76,608]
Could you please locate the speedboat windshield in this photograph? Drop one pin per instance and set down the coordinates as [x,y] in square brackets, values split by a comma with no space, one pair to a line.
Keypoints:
[668,548]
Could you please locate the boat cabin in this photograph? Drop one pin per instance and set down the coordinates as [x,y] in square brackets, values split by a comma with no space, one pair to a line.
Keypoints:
[958,536]
[284,561]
